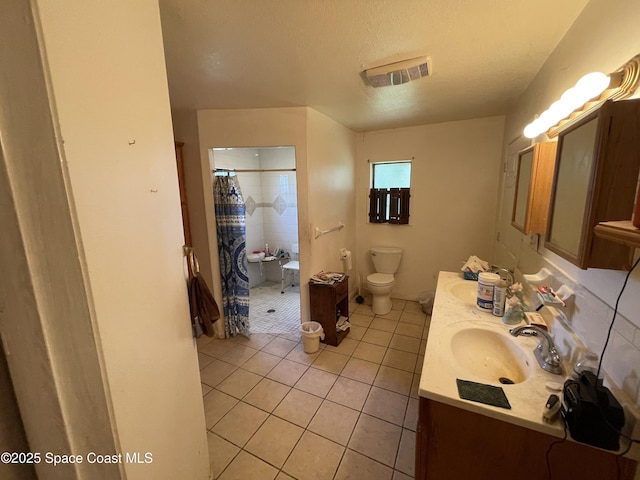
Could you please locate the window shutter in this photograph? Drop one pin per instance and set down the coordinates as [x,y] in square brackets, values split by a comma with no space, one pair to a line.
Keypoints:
[377,205]
[399,205]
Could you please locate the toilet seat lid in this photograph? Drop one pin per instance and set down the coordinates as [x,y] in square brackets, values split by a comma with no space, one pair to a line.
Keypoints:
[380,279]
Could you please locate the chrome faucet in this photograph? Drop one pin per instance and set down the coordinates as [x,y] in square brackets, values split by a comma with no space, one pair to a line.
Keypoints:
[503,272]
[546,353]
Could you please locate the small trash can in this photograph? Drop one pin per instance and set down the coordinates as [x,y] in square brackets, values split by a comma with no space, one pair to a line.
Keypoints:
[426,301]
[311,333]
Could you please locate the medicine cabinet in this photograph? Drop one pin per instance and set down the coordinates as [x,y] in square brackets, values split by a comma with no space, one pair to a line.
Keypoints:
[533,188]
[595,178]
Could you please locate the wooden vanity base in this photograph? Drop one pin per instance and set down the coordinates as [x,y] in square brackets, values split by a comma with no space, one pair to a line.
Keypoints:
[455,444]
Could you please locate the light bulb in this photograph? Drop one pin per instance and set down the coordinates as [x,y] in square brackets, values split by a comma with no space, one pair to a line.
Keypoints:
[572,99]
[530,131]
[592,85]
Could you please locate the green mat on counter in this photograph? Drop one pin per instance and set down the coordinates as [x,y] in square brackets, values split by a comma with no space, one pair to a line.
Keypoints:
[481,393]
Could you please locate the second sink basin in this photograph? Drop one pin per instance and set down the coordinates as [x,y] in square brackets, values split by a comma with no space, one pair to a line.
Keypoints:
[490,355]
[464,290]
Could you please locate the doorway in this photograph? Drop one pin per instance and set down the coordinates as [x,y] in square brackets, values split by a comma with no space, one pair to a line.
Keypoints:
[267,180]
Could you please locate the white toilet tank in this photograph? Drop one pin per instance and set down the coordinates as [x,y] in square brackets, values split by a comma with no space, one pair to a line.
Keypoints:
[386,259]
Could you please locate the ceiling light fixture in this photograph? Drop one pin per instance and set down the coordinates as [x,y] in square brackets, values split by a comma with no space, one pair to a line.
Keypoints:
[587,94]
[399,72]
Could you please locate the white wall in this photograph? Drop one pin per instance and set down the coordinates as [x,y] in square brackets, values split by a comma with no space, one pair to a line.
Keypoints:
[111,90]
[604,37]
[454,180]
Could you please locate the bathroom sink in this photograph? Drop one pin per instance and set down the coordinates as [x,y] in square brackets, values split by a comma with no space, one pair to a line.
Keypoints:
[490,355]
[464,290]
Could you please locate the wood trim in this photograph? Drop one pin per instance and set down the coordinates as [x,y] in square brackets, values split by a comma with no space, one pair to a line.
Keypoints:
[184,205]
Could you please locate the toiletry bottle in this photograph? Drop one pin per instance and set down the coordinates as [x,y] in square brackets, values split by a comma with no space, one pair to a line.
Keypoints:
[499,297]
[266,250]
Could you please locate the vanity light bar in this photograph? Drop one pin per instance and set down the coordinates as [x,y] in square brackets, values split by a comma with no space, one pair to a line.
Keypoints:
[587,94]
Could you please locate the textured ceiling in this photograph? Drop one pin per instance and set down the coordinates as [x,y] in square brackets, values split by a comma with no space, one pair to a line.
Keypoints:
[281,53]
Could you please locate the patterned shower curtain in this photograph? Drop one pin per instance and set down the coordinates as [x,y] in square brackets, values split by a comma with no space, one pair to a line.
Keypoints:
[231,230]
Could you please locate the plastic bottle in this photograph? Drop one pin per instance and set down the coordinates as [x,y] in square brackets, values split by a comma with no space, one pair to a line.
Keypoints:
[499,297]
[486,283]
[266,250]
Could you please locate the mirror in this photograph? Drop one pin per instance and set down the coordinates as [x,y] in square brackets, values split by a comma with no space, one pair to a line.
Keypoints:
[525,163]
[573,178]
[533,188]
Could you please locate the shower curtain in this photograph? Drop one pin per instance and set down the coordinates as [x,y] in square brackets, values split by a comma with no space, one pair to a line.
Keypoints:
[231,230]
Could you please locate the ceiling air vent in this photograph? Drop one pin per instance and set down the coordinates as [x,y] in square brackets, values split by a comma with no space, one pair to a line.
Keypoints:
[399,72]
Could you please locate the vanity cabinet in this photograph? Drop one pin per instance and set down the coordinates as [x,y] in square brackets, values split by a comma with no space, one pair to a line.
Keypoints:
[453,444]
[533,188]
[327,303]
[595,179]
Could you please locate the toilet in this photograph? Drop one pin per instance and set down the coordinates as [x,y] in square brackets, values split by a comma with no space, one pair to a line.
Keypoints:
[386,261]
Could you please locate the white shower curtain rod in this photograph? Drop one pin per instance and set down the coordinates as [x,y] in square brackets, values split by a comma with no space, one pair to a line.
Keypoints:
[254,170]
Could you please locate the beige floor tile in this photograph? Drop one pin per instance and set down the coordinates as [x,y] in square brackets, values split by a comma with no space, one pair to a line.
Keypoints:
[256,340]
[216,372]
[364,309]
[284,476]
[298,407]
[397,304]
[393,379]
[261,363]
[404,343]
[400,360]
[425,331]
[413,318]
[413,307]
[411,417]
[423,346]
[419,364]
[349,393]
[266,395]
[384,324]
[386,405]
[356,332]
[216,347]
[377,337]
[280,347]
[274,441]
[221,453]
[287,372]
[405,461]
[238,355]
[203,340]
[330,361]
[355,466]
[346,347]
[360,320]
[361,370]
[313,458]
[204,360]
[376,438]
[299,355]
[394,314]
[239,383]
[294,337]
[240,423]
[245,466]
[205,389]
[334,422]
[216,406]
[409,330]
[415,386]
[399,476]
[316,382]
[369,352]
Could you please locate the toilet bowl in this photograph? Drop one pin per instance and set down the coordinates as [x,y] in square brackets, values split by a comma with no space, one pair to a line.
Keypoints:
[386,261]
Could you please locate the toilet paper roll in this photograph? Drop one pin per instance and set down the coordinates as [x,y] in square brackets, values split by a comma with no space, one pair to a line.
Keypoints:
[346,256]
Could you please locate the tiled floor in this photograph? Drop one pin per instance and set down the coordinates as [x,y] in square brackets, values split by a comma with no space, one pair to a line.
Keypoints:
[347,412]
[273,312]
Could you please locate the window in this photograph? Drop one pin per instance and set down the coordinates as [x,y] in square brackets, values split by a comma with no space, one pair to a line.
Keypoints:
[389,194]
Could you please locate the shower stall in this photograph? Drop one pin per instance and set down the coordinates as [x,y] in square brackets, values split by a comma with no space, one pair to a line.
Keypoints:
[267,179]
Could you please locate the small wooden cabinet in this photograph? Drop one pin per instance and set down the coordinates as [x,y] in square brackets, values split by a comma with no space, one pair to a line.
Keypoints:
[595,180]
[533,188]
[327,303]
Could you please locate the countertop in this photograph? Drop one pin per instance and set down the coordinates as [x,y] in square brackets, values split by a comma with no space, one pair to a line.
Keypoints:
[455,310]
